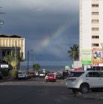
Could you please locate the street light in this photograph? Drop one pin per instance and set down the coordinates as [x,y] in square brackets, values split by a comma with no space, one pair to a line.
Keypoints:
[37,57]
[15,52]
[27,60]
[28,56]
[33,56]
[1,22]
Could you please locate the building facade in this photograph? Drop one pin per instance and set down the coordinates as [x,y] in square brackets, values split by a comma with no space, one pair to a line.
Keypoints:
[91,32]
[12,43]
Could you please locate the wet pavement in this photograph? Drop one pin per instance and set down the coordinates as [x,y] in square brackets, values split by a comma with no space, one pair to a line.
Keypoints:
[93,95]
[90,95]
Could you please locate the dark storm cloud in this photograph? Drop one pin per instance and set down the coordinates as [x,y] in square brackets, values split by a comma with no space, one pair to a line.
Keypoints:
[37,21]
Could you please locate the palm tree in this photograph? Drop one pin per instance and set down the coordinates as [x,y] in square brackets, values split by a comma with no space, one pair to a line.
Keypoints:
[12,59]
[36,67]
[74,52]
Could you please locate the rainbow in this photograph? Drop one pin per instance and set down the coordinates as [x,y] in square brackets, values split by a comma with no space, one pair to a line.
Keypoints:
[48,40]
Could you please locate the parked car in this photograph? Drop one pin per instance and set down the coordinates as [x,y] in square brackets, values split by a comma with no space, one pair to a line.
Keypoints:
[59,75]
[31,74]
[83,81]
[65,74]
[1,76]
[41,74]
[22,74]
[50,77]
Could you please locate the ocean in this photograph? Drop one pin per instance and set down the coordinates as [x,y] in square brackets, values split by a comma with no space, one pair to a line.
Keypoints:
[52,68]
[47,68]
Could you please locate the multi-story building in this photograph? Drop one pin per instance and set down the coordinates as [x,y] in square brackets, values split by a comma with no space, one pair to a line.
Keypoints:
[11,43]
[91,32]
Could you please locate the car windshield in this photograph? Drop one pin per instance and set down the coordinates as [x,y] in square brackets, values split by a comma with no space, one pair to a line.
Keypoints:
[21,72]
[50,74]
[40,72]
[75,74]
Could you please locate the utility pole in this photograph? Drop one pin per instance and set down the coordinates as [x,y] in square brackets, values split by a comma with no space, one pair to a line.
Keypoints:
[1,22]
[33,55]
[15,52]
[28,60]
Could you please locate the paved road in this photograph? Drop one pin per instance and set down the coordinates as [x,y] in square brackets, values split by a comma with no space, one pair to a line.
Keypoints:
[37,91]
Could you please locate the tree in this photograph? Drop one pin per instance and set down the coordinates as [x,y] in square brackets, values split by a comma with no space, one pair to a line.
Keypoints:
[74,52]
[36,67]
[12,59]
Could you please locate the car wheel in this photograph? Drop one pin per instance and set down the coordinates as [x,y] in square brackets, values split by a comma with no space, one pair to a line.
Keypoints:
[84,88]
[54,80]
[1,77]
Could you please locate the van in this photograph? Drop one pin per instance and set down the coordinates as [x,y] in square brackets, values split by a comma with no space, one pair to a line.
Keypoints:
[22,74]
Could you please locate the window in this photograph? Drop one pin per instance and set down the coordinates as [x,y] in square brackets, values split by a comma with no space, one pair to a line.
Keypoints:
[95,44]
[95,21]
[95,28]
[3,53]
[95,5]
[95,37]
[92,74]
[95,13]
[101,74]
[75,74]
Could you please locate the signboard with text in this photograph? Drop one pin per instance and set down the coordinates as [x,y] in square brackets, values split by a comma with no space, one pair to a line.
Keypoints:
[86,57]
[4,66]
[97,57]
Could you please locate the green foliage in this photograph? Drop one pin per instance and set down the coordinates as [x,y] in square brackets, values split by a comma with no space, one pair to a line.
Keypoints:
[14,63]
[74,52]
[5,72]
[12,59]
[20,58]
[36,67]
[14,73]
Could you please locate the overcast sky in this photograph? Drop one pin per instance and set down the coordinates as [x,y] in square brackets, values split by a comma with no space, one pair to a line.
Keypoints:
[50,27]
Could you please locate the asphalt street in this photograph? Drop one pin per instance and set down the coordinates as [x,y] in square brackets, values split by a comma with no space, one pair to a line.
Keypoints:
[37,91]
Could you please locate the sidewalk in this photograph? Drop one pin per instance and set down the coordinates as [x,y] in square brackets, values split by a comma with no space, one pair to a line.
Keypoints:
[8,78]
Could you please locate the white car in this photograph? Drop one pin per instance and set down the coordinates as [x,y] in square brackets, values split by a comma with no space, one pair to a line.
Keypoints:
[41,74]
[83,81]
[22,74]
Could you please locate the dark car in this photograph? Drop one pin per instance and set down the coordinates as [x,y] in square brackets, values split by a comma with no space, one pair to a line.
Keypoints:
[59,75]
[31,74]
[50,77]
[1,76]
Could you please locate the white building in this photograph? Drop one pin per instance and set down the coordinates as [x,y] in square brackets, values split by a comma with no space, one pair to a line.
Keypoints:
[12,42]
[91,32]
